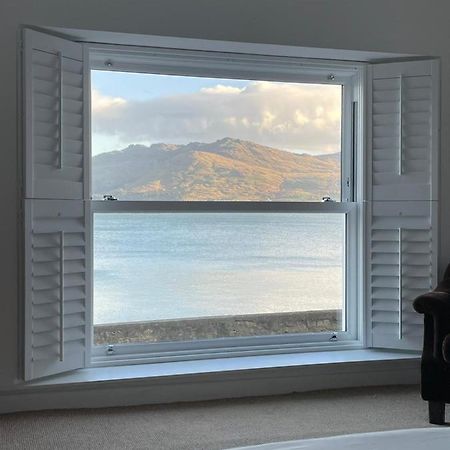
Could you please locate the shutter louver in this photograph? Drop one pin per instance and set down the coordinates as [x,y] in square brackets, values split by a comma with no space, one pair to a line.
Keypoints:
[402,134]
[401,265]
[56,245]
[54,104]
[56,274]
[401,222]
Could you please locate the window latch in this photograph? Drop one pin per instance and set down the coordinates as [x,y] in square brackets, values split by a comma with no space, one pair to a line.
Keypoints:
[327,199]
[109,197]
[110,350]
[333,338]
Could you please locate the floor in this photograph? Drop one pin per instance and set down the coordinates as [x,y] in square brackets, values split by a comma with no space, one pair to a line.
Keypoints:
[218,424]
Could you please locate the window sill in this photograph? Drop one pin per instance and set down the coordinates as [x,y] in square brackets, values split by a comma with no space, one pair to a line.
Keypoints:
[224,365]
[213,379]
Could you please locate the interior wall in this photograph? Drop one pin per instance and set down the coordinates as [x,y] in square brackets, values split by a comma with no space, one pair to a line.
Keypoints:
[401,26]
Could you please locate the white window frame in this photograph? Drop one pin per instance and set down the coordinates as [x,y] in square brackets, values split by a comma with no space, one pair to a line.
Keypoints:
[213,64]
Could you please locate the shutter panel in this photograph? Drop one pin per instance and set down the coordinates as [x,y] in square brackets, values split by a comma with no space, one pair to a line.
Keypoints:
[57,243]
[404,116]
[56,286]
[402,262]
[54,111]
[402,199]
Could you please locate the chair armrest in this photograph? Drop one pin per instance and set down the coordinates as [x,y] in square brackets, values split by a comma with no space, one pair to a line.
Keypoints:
[446,349]
[435,303]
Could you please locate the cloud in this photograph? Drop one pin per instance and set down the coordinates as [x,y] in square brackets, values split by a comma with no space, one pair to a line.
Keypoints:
[285,115]
[222,89]
[102,104]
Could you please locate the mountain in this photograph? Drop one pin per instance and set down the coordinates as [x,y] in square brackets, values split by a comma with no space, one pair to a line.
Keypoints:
[228,169]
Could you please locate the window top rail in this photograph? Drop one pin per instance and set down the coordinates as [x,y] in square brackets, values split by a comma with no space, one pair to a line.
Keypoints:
[105,206]
[219,64]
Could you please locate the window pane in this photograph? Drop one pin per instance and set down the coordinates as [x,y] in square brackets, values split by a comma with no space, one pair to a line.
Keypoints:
[166,137]
[171,277]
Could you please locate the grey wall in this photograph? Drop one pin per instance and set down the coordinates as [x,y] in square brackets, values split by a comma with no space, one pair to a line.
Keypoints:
[401,26]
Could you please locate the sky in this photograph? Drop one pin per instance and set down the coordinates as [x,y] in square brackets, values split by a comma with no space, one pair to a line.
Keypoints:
[131,108]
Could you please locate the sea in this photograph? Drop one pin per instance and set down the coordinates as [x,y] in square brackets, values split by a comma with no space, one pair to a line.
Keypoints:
[156,266]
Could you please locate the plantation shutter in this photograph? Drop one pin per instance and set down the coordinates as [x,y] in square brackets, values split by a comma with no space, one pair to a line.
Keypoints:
[402,199]
[54,114]
[56,243]
[402,266]
[56,287]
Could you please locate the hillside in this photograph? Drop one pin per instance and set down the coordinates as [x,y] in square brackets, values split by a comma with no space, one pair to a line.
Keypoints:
[228,169]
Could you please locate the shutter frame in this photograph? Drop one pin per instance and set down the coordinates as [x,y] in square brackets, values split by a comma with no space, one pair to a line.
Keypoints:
[401,241]
[419,98]
[54,130]
[56,208]
[55,338]
[406,206]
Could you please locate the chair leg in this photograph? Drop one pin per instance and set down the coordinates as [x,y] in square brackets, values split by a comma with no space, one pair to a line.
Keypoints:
[436,412]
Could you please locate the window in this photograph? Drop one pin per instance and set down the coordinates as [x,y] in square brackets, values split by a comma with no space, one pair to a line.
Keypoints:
[237,226]
[228,204]
[182,138]
[171,276]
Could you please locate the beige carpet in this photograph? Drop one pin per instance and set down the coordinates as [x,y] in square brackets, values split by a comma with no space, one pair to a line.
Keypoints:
[217,424]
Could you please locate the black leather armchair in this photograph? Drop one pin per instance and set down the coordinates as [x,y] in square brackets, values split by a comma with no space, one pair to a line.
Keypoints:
[435,381]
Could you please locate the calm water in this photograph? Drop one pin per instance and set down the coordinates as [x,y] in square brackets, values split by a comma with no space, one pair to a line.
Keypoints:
[165,266]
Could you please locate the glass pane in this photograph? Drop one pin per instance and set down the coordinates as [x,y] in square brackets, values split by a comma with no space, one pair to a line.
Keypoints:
[171,277]
[166,137]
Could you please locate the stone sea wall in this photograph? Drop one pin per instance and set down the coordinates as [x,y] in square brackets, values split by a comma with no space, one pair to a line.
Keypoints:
[218,327]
